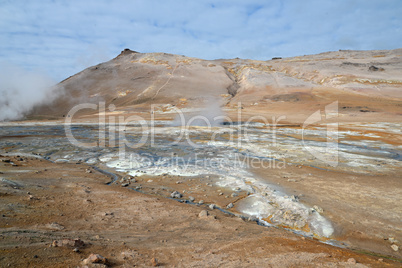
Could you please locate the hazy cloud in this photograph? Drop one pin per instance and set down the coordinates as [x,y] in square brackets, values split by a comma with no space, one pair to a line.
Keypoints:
[63,37]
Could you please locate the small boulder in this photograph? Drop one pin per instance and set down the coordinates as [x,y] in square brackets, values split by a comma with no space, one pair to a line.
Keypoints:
[72,243]
[154,262]
[95,258]
[318,209]
[176,194]
[392,240]
[230,205]
[203,214]
[294,198]
[373,68]
[394,247]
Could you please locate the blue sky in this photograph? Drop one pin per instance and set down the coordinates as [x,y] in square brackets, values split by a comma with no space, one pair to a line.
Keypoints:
[60,38]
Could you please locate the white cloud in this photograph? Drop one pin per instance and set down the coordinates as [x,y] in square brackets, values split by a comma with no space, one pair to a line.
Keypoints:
[63,37]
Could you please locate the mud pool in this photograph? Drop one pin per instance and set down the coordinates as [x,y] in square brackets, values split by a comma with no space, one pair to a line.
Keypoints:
[224,155]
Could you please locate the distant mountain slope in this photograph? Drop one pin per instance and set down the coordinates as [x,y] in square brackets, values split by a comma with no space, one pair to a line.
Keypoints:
[136,80]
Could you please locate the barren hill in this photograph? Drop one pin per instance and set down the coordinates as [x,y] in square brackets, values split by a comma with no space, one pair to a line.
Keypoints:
[362,82]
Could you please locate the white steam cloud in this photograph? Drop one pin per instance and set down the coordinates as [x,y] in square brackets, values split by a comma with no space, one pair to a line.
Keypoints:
[21,90]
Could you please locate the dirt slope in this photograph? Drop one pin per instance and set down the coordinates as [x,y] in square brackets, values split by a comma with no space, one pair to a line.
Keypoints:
[362,82]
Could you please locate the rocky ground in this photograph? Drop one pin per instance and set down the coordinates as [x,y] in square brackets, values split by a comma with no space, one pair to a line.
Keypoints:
[56,215]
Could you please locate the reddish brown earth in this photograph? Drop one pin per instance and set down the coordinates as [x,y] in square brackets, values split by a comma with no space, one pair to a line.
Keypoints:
[63,201]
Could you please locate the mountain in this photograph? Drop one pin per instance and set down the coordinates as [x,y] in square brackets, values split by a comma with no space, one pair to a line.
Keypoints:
[361,81]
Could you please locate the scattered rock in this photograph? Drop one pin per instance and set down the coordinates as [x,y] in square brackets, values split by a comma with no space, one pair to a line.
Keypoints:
[292,180]
[230,205]
[234,195]
[318,209]
[212,206]
[294,198]
[88,170]
[252,218]
[352,261]
[95,258]
[191,198]
[73,243]
[129,254]
[203,214]
[392,240]
[373,68]
[125,184]
[54,226]
[154,262]
[176,194]
[394,247]
[201,202]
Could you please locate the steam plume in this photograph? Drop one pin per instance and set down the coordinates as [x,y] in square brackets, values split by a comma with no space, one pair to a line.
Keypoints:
[20,90]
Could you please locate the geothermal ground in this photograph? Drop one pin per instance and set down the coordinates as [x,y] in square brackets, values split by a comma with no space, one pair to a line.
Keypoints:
[175,161]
